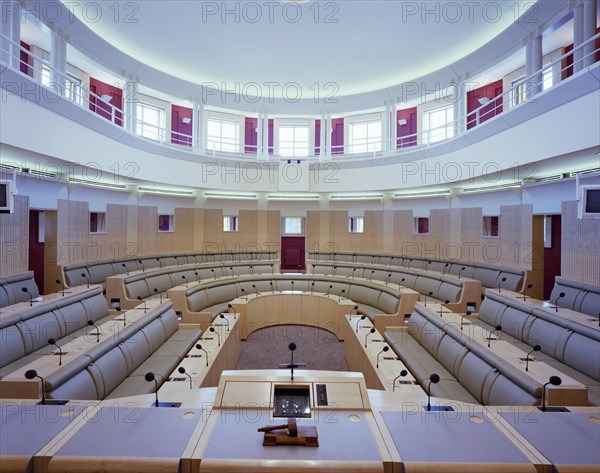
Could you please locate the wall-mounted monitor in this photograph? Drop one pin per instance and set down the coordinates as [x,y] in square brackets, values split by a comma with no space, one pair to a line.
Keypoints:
[6,197]
[589,202]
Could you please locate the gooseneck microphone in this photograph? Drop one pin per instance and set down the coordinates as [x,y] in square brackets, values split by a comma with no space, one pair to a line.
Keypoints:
[24,289]
[251,270]
[212,270]
[244,293]
[383,350]
[387,279]
[367,335]
[371,276]
[159,263]
[197,275]
[59,282]
[91,323]
[141,265]
[554,381]
[341,294]
[150,376]
[430,293]
[529,286]
[433,379]
[535,348]
[445,268]
[560,296]
[362,317]
[118,309]
[255,290]
[199,347]
[353,269]
[334,268]
[460,271]
[182,370]
[462,318]
[226,321]
[126,268]
[427,265]
[52,341]
[159,293]
[402,374]
[355,309]
[500,284]
[329,289]
[84,276]
[212,329]
[30,374]
[185,279]
[139,298]
[292,286]
[491,337]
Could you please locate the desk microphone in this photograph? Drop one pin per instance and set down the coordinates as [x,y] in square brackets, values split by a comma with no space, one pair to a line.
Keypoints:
[271,284]
[197,275]
[491,337]
[272,270]
[535,348]
[142,265]
[199,347]
[529,286]
[91,323]
[24,289]
[159,263]
[554,381]
[176,261]
[251,270]
[159,293]
[312,287]
[139,298]
[367,335]
[427,265]
[226,321]
[256,290]
[560,296]
[341,294]
[59,282]
[185,279]
[118,309]
[126,268]
[83,275]
[329,289]
[182,370]
[150,376]
[500,284]
[52,341]
[292,286]
[353,269]
[230,309]
[30,374]
[362,317]
[430,293]
[434,378]
[212,270]
[391,261]
[371,276]
[334,268]
[355,308]
[383,350]
[212,329]
[462,318]
[244,293]
[232,272]
[442,307]
[460,271]
[445,268]
[402,374]
[387,279]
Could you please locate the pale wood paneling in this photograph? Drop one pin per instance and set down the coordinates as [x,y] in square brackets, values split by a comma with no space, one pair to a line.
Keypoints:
[14,238]
[580,254]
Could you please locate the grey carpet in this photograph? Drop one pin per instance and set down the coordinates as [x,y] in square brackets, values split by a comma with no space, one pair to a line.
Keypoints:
[268,347]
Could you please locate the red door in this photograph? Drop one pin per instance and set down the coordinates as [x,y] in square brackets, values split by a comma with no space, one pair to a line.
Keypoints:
[292,254]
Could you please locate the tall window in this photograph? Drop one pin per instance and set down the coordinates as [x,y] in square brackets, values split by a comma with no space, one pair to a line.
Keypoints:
[491,226]
[547,78]
[518,93]
[293,140]
[150,121]
[437,124]
[73,89]
[356,224]
[97,222]
[222,135]
[45,77]
[230,223]
[365,136]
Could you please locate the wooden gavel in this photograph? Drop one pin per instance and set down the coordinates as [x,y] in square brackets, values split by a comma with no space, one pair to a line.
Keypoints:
[291,426]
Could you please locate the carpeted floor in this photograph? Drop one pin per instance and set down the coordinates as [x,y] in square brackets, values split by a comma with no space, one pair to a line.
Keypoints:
[268,347]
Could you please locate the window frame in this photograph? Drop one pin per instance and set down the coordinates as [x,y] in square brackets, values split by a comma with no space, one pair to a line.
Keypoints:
[356,224]
[219,143]
[448,129]
[416,227]
[100,223]
[231,228]
[141,125]
[171,222]
[369,145]
[284,227]
[488,226]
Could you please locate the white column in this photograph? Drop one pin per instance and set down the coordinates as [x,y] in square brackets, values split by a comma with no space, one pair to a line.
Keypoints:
[533,59]
[328,132]
[578,37]
[130,101]
[11,28]
[58,61]
[460,108]
[590,9]
[265,139]
[385,135]
[198,125]
[393,127]
[259,135]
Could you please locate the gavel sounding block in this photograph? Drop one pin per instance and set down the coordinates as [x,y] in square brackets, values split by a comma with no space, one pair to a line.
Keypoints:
[307,436]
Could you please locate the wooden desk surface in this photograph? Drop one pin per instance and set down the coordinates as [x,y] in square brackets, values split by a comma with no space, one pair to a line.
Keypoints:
[571,441]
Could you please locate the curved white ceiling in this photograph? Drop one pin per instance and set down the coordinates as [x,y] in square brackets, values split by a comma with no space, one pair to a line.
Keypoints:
[357,45]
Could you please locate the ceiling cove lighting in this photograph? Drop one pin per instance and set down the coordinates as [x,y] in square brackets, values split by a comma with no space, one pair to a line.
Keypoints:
[152,190]
[293,196]
[106,185]
[414,195]
[222,195]
[356,197]
[473,190]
